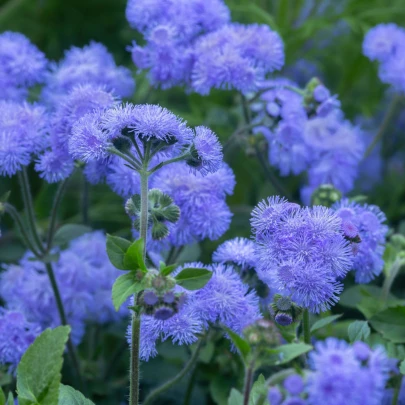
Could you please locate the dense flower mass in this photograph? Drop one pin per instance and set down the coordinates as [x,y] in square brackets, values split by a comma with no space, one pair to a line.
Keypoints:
[92,64]
[365,222]
[23,134]
[385,44]
[308,134]
[238,251]
[85,277]
[301,251]
[224,299]
[22,65]
[17,333]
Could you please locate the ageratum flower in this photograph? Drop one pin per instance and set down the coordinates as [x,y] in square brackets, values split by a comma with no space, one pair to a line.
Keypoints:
[236,57]
[23,134]
[301,251]
[85,277]
[238,251]
[92,64]
[206,151]
[340,378]
[22,65]
[224,299]
[368,221]
[17,334]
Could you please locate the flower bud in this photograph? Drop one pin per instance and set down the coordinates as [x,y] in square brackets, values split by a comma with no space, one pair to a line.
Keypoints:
[325,195]
[283,318]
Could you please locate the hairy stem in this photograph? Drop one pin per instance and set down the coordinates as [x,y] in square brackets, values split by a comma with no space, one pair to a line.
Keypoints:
[248,384]
[305,327]
[54,212]
[10,209]
[29,206]
[384,125]
[164,387]
[134,366]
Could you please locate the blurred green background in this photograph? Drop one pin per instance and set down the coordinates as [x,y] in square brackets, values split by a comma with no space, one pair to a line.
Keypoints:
[322,38]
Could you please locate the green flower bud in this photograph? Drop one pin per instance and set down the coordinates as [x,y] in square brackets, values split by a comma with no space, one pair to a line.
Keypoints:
[325,195]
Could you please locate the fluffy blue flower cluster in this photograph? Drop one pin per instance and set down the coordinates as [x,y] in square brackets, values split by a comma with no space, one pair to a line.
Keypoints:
[194,44]
[22,65]
[85,277]
[385,43]
[308,135]
[225,299]
[238,251]
[340,375]
[301,252]
[366,223]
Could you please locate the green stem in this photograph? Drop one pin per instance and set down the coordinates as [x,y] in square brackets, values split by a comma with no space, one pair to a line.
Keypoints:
[134,366]
[248,384]
[29,206]
[144,210]
[167,162]
[190,386]
[164,387]
[85,201]
[397,390]
[54,212]
[21,227]
[384,125]
[132,163]
[305,327]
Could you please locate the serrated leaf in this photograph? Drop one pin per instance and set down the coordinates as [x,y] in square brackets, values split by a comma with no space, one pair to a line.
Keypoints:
[390,323]
[285,353]
[235,397]
[402,367]
[358,330]
[133,256]
[116,249]
[68,232]
[69,396]
[241,344]
[2,397]
[259,390]
[193,278]
[125,286]
[165,271]
[39,371]
[324,321]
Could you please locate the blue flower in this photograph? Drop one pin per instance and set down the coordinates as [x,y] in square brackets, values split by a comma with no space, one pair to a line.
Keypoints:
[239,251]
[368,220]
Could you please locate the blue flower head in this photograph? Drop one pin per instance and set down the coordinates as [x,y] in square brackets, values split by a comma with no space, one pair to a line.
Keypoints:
[238,251]
[368,220]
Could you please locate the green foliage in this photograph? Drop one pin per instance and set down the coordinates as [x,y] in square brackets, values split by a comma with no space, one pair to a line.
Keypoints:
[125,286]
[324,321]
[2,397]
[167,270]
[39,371]
[402,367]
[259,390]
[69,396]
[235,397]
[193,278]
[285,353]
[116,249]
[241,344]
[390,323]
[133,258]
[358,330]
[68,232]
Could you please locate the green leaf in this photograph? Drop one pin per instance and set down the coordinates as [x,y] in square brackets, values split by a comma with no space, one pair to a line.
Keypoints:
[285,353]
[241,344]
[358,330]
[402,367]
[133,256]
[165,271]
[193,278]
[289,333]
[324,321]
[68,232]
[390,323]
[10,400]
[235,397]
[352,296]
[2,397]
[125,286]
[116,249]
[4,197]
[259,390]
[69,396]
[39,371]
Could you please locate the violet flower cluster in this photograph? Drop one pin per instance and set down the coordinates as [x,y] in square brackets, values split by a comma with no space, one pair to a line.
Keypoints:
[301,252]
[85,277]
[224,300]
[340,375]
[385,43]
[194,44]
[308,133]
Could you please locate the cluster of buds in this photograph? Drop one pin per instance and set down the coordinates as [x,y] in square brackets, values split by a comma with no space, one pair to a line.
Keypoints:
[318,100]
[325,195]
[284,311]
[262,334]
[161,210]
[159,299]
